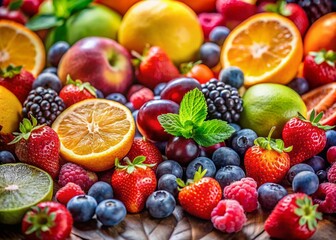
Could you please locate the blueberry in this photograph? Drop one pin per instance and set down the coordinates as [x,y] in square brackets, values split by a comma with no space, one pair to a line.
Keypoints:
[235,126]
[228,174]
[299,85]
[224,156]
[111,212]
[219,34]
[56,52]
[118,97]
[322,176]
[296,169]
[130,106]
[269,194]
[210,54]
[233,76]
[331,139]
[48,80]
[82,208]
[317,163]
[158,88]
[171,167]
[52,70]
[242,140]
[101,191]
[160,204]
[168,183]
[6,157]
[99,94]
[161,146]
[204,163]
[306,182]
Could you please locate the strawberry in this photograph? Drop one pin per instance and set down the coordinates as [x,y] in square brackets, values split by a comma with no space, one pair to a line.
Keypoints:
[154,67]
[4,140]
[47,220]
[76,91]
[308,138]
[319,68]
[141,147]
[199,196]
[267,160]
[17,80]
[38,146]
[294,217]
[236,11]
[292,11]
[132,184]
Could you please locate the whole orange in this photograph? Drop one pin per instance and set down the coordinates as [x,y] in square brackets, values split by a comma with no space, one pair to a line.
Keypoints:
[321,35]
[201,5]
[119,6]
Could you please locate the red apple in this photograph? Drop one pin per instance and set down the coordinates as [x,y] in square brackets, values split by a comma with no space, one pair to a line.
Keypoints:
[101,61]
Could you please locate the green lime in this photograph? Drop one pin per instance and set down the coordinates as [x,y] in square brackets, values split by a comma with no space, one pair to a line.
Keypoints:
[21,187]
[269,104]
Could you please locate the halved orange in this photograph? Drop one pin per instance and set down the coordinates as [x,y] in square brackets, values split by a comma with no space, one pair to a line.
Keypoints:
[21,47]
[94,132]
[322,99]
[267,47]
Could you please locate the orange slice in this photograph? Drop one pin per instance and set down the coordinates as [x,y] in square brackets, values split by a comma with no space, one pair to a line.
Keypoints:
[21,47]
[267,47]
[94,132]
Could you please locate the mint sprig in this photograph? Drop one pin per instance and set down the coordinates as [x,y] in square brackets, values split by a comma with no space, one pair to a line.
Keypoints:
[191,121]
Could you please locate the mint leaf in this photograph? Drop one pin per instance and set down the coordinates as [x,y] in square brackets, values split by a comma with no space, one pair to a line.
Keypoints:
[77,5]
[193,107]
[41,22]
[171,123]
[61,8]
[212,132]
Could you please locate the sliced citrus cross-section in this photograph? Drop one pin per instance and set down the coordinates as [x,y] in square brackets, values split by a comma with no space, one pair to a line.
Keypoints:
[267,47]
[21,47]
[94,132]
[21,187]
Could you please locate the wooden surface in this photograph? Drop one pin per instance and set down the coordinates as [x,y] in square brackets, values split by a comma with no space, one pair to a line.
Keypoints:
[179,226]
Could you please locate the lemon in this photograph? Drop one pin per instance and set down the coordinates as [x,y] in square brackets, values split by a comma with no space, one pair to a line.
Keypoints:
[10,111]
[170,25]
[270,104]
[21,187]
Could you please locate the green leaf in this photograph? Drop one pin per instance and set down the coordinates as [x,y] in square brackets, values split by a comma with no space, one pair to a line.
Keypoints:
[15,5]
[77,5]
[41,22]
[212,132]
[171,124]
[61,8]
[193,107]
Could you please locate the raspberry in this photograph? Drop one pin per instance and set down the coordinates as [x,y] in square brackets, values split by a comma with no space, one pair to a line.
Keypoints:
[140,97]
[73,173]
[209,21]
[325,197]
[228,216]
[67,192]
[332,174]
[245,192]
[331,154]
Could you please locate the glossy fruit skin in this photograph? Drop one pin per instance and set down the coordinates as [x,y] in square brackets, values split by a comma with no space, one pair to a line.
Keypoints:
[56,52]
[201,6]
[156,67]
[322,176]
[169,167]
[6,157]
[266,165]
[200,198]
[269,194]
[118,97]
[306,139]
[41,150]
[243,140]
[331,139]
[317,163]
[148,123]
[182,150]
[82,208]
[205,163]
[72,94]
[48,80]
[208,151]
[233,76]
[160,204]
[201,72]
[305,182]
[62,224]
[331,155]
[177,88]
[229,174]
[133,189]
[297,168]
[218,35]
[16,15]
[140,97]
[210,54]
[101,191]
[299,85]
[209,21]
[168,183]
[225,156]
[52,70]
[111,212]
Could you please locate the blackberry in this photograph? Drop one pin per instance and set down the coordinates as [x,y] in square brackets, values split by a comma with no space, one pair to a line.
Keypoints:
[314,8]
[44,104]
[223,101]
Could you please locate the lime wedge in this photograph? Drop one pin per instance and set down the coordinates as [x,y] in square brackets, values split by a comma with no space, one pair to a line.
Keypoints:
[21,187]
